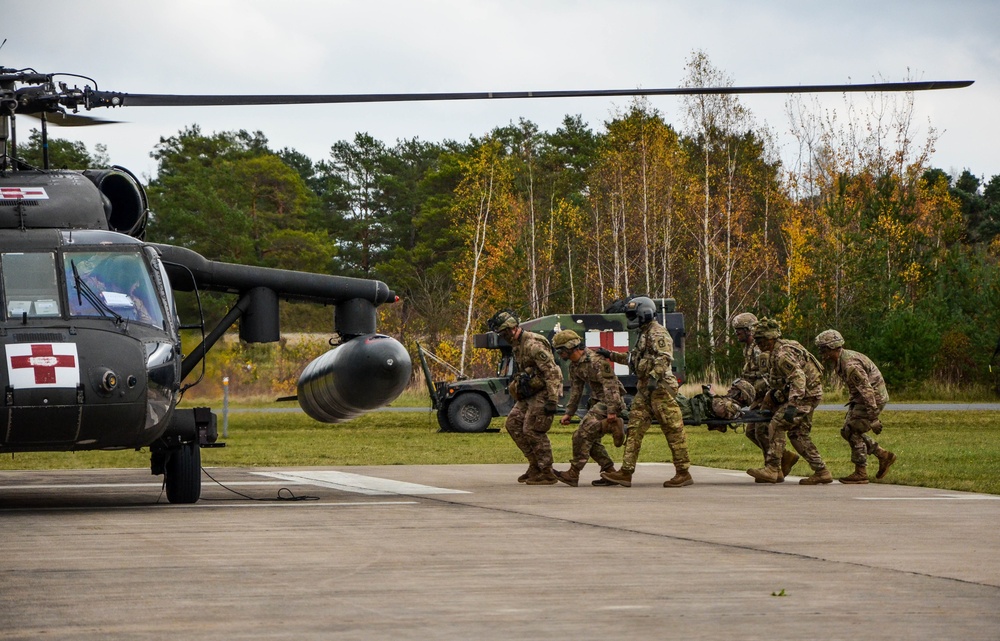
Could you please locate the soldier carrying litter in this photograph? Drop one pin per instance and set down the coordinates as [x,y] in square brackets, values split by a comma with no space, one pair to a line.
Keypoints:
[536,387]
[603,409]
[868,397]
[656,394]
[795,389]
[754,362]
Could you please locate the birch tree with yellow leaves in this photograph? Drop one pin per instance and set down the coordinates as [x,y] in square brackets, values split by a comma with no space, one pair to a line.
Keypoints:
[483,213]
[635,189]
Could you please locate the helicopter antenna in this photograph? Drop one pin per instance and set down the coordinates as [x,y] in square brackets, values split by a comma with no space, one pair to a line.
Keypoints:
[45,141]
[4,135]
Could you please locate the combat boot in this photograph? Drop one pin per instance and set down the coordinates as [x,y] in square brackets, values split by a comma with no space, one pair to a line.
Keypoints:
[818,477]
[569,477]
[532,470]
[788,460]
[544,477]
[681,479]
[603,482]
[766,474]
[884,462]
[859,477]
[781,479]
[620,477]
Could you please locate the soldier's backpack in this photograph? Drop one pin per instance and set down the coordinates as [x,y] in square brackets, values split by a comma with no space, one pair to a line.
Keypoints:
[697,409]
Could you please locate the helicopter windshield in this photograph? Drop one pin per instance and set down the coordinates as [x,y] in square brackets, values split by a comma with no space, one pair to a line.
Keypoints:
[29,284]
[111,284]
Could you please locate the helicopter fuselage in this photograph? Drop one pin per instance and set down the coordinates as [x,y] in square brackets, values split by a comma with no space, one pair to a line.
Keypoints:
[90,341]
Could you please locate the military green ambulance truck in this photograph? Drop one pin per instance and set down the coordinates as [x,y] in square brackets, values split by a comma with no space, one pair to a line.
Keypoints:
[469,405]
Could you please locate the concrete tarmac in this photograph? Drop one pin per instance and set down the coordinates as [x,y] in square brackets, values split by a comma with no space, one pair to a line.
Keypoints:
[464,552]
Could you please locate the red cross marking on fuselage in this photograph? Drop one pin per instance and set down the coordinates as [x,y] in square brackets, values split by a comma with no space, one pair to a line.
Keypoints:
[44,362]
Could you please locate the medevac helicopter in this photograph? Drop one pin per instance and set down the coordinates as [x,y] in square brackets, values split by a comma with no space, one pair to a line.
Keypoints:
[88,324]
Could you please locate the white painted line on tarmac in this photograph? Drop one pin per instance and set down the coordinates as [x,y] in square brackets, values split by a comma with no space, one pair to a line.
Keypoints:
[360,484]
[940,497]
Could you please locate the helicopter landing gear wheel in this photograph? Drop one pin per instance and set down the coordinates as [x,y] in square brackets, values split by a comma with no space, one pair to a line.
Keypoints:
[182,473]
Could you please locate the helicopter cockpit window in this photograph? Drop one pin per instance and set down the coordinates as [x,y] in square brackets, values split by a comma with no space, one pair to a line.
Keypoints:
[111,284]
[29,284]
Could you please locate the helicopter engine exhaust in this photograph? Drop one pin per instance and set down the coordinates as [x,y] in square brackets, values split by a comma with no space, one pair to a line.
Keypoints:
[124,200]
[360,375]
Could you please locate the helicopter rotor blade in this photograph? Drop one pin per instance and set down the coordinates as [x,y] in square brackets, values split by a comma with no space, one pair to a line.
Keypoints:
[115,99]
[61,119]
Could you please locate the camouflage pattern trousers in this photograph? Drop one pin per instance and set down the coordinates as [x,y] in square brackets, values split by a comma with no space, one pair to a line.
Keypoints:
[528,426]
[587,441]
[662,406]
[759,435]
[857,424]
[798,430]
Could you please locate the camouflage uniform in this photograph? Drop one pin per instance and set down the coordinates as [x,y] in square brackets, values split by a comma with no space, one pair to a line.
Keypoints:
[527,423]
[794,380]
[752,365]
[868,397]
[651,359]
[606,393]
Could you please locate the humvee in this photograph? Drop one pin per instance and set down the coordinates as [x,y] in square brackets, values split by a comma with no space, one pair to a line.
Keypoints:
[469,405]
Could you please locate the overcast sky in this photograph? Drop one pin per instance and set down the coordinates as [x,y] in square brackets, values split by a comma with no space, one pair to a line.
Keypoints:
[393,46]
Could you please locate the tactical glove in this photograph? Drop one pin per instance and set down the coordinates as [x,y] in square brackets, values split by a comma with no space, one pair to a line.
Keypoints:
[790,413]
[600,351]
[652,384]
[550,408]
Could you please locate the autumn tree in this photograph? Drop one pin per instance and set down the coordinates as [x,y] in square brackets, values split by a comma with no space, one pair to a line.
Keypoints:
[483,214]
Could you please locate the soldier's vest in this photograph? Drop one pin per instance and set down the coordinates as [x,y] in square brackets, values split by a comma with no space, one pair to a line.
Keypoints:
[592,371]
[644,353]
[527,381]
[751,364]
[870,369]
[810,365]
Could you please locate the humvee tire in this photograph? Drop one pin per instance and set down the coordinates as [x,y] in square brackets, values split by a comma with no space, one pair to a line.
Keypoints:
[469,412]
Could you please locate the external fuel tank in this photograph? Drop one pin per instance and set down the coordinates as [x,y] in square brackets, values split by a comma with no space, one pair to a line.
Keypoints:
[360,375]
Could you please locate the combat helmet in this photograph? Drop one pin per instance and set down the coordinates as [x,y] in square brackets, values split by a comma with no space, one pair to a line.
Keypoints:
[725,407]
[746,320]
[504,319]
[829,339]
[566,340]
[767,328]
[742,391]
[639,311]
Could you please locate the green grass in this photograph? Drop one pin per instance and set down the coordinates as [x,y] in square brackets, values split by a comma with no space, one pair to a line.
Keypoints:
[948,450]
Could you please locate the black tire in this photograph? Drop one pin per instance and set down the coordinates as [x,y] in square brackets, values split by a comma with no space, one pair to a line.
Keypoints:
[442,416]
[182,474]
[469,412]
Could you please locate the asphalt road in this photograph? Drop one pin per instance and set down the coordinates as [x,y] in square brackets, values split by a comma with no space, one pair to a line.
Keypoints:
[464,552]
